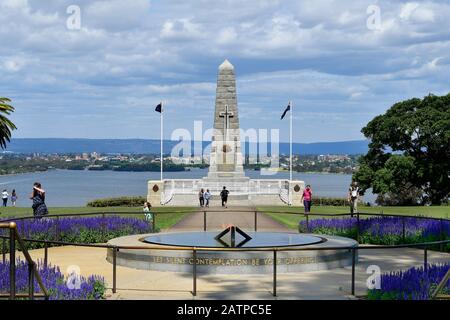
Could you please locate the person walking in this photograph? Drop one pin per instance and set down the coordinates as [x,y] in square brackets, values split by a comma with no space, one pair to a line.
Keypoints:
[5,196]
[201,197]
[353,197]
[38,198]
[224,195]
[13,197]
[148,216]
[307,198]
[207,197]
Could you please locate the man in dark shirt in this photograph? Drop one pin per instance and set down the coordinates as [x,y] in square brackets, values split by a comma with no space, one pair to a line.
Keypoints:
[224,195]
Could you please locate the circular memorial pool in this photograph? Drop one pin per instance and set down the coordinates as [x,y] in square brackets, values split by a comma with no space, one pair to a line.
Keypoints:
[217,253]
[258,240]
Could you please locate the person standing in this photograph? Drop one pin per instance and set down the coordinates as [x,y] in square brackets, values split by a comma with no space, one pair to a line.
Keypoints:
[307,198]
[224,195]
[13,198]
[201,197]
[5,196]
[207,197]
[38,197]
[353,197]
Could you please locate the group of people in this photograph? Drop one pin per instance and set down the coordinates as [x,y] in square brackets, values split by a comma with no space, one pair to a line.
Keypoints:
[5,197]
[306,198]
[353,197]
[205,196]
[40,208]
[37,196]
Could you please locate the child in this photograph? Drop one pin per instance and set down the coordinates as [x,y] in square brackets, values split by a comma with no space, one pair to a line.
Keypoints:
[147,214]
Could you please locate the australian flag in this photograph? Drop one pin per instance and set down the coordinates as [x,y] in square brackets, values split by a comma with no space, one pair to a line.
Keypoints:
[159,108]
[285,111]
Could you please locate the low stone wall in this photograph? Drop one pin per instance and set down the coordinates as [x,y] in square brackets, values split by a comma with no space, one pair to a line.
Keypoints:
[214,262]
[179,192]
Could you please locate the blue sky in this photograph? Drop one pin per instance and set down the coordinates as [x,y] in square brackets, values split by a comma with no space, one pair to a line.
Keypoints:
[338,65]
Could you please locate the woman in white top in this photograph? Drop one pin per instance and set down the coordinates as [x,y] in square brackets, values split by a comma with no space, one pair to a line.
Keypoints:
[207,196]
[353,196]
[5,196]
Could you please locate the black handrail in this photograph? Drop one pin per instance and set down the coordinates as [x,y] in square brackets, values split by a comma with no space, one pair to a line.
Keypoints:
[194,250]
[32,270]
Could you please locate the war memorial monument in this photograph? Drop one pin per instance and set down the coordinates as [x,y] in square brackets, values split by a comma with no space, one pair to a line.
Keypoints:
[226,169]
[226,163]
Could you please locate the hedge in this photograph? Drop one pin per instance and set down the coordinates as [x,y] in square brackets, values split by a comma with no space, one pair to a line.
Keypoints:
[137,201]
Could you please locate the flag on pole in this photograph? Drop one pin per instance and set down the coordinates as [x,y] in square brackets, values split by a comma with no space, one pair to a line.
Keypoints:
[159,108]
[285,111]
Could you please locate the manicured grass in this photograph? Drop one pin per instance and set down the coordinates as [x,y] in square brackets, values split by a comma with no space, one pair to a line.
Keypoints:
[291,220]
[165,216]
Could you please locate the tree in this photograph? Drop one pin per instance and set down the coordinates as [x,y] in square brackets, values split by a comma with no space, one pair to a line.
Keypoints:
[6,126]
[409,151]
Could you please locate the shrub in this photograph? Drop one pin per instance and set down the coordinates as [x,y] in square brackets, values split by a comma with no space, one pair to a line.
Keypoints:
[325,201]
[137,201]
[412,284]
[59,287]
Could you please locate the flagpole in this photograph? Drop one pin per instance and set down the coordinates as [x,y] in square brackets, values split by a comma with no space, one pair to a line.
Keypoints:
[290,149]
[162,130]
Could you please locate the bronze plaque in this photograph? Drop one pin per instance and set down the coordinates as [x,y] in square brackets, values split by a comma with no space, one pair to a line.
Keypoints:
[155,188]
[297,188]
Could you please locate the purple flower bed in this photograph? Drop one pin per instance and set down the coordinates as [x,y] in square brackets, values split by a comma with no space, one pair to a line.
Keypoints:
[383,230]
[80,229]
[91,288]
[413,284]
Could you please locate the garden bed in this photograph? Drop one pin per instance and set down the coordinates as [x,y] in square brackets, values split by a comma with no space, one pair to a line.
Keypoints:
[383,230]
[59,287]
[79,229]
[412,284]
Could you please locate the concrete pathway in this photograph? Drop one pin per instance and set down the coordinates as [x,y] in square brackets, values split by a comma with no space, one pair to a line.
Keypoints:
[217,218]
[143,284]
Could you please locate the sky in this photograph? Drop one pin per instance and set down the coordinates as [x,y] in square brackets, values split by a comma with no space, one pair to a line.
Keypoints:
[100,73]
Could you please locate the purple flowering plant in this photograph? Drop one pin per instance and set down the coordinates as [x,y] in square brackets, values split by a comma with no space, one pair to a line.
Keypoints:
[57,285]
[412,284]
[383,230]
[79,229]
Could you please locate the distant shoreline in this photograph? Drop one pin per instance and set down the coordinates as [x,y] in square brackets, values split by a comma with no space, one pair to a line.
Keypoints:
[108,170]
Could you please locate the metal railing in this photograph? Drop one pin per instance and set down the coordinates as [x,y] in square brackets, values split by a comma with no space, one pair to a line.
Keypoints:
[32,270]
[353,249]
[436,293]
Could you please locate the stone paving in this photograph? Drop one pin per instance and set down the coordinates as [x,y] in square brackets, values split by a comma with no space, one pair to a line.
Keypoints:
[142,284]
[217,218]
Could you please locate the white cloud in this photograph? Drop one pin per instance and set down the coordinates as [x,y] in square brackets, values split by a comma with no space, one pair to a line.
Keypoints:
[129,54]
[416,12]
[180,29]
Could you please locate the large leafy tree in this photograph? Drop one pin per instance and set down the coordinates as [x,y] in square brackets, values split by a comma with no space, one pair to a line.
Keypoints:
[6,125]
[409,151]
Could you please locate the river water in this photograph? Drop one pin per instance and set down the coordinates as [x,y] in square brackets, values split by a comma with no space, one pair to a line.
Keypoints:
[70,188]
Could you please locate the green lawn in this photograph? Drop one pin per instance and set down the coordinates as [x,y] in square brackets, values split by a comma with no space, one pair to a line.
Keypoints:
[165,216]
[291,220]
